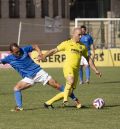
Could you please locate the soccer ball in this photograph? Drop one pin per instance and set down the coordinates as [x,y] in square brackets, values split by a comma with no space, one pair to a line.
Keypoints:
[98,103]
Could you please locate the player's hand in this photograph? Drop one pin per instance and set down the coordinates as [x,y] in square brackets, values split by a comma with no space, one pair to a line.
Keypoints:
[43,57]
[39,58]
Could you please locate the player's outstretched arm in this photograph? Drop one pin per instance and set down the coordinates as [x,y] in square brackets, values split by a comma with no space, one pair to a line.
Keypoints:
[50,53]
[93,53]
[35,47]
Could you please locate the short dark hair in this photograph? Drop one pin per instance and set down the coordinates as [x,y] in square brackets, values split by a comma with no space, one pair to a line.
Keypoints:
[13,45]
[83,26]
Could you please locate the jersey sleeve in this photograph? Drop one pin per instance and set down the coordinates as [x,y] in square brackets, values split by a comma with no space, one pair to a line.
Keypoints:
[90,39]
[85,52]
[5,60]
[28,48]
[62,46]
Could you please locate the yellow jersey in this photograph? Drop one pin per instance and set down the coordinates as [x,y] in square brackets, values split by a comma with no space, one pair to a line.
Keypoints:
[73,52]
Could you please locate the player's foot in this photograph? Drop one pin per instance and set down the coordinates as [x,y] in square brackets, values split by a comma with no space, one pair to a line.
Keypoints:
[87,81]
[81,82]
[64,104]
[17,109]
[48,106]
[99,74]
[77,103]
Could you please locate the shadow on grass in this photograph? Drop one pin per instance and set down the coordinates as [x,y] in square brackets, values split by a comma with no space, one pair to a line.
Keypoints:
[55,108]
[71,107]
[110,106]
[32,109]
[86,107]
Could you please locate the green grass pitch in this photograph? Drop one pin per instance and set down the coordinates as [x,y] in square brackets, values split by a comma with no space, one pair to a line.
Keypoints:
[36,117]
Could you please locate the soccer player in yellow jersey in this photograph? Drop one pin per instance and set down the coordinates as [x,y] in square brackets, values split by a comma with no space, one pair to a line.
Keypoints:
[73,50]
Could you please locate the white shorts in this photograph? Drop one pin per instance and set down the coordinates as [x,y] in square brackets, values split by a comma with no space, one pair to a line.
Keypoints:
[41,77]
[83,61]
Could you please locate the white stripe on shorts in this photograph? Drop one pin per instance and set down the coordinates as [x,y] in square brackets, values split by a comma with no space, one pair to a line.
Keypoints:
[42,77]
[83,61]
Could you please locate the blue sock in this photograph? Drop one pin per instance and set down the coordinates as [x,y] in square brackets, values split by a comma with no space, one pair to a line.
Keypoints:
[81,73]
[62,88]
[18,98]
[72,96]
[87,73]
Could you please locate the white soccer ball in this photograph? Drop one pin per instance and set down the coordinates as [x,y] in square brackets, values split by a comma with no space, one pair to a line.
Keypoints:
[98,103]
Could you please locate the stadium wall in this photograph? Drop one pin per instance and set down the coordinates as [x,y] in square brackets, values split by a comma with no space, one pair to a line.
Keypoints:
[9,33]
[103,57]
[33,12]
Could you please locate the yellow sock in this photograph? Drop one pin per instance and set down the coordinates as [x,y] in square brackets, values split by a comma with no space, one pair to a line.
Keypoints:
[67,91]
[55,98]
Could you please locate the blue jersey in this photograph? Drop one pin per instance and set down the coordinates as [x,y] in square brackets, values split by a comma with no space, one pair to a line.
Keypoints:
[23,64]
[87,40]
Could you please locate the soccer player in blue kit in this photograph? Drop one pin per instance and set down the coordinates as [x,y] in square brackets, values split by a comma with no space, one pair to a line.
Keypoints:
[87,40]
[31,72]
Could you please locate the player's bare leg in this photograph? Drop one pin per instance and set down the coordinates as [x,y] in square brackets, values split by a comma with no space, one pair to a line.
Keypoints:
[18,95]
[53,83]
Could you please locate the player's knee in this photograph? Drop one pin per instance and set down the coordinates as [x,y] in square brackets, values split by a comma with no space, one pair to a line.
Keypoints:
[70,82]
[16,88]
[70,79]
[19,86]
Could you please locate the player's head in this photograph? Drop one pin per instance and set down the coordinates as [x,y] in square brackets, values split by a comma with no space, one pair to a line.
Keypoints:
[76,34]
[83,29]
[15,49]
